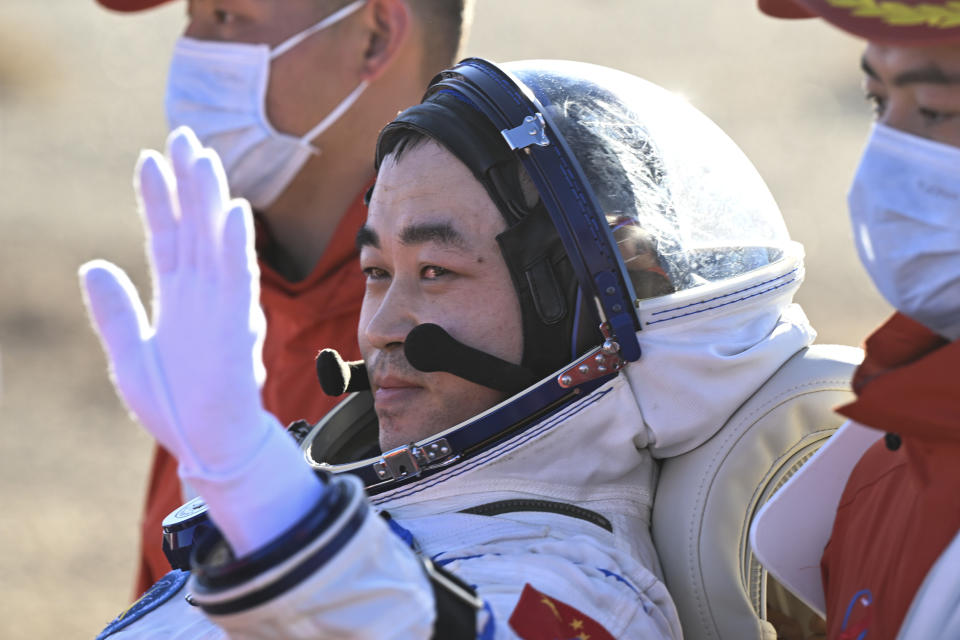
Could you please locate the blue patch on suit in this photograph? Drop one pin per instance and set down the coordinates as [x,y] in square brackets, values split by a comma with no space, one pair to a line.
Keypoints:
[162,590]
[399,530]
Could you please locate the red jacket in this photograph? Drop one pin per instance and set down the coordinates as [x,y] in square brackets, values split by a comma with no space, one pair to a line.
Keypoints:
[302,318]
[900,508]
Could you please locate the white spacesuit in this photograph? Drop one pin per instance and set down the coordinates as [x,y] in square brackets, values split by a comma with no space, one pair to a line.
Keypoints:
[531,519]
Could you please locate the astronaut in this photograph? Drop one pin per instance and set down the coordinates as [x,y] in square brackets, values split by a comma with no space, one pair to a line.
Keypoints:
[569,272]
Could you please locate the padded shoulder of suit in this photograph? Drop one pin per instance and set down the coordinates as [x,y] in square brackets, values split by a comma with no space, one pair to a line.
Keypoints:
[707,497]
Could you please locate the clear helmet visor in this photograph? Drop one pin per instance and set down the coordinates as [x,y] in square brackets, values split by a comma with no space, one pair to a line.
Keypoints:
[684,204]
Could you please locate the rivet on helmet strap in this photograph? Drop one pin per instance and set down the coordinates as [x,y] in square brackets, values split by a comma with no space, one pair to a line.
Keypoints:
[610,347]
[531,131]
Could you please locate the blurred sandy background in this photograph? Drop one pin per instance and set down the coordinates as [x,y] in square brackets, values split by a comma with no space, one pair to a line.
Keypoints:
[81,92]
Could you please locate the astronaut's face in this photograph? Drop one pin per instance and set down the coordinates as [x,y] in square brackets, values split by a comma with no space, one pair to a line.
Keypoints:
[430,254]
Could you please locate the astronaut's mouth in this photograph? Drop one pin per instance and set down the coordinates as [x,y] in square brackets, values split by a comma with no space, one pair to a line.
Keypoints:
[391,390]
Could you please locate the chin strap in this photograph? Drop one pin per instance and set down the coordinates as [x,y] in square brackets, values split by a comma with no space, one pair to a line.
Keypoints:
[428,348]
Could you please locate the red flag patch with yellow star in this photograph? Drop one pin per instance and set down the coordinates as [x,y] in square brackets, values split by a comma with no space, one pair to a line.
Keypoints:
[540,617]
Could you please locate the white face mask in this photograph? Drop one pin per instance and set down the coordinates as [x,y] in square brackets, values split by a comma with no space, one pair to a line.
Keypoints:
[219,89]
[905,209]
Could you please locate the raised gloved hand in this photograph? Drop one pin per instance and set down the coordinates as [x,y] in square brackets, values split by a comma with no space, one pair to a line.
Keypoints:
[193,377]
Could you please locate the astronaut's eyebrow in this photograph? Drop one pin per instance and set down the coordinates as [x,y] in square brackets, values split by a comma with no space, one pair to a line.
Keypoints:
[442,233]
[930,74]
[367,237]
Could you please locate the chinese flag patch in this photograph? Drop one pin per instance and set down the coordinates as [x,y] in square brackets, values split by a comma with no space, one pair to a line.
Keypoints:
[540,617]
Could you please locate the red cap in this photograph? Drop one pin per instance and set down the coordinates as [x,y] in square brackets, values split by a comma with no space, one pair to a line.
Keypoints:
[131,5]
[901,22]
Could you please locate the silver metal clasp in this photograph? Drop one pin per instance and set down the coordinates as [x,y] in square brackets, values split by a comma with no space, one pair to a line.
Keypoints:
[531,131]
[408,461]
[596,363]
[398,463]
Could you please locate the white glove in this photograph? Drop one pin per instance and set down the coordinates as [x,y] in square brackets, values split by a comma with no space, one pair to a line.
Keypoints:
[193,378]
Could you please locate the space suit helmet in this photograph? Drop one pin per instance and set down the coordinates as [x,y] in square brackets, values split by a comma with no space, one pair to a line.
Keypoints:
[645,212]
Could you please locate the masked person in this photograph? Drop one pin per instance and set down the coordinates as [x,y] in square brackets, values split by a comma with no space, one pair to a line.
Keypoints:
[569,273]
[291,96]
[882,494]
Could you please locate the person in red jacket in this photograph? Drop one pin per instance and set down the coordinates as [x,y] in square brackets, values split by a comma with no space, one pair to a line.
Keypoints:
[291,95]
[900,506]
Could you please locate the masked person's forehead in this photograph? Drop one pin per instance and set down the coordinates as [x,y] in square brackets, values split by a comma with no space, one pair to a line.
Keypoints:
[904,67]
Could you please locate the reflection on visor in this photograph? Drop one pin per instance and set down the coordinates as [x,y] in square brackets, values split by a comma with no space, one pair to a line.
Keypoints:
[644,260]
[638,249]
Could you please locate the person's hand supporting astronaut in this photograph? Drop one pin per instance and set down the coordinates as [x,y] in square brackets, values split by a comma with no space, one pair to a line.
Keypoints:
[192,376]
